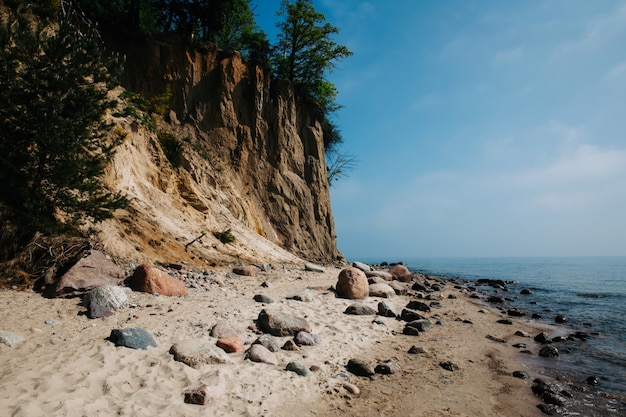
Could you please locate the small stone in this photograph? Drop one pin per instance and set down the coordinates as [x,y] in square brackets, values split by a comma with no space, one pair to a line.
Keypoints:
[351,388]
[196,353]
[134,338]
[526,291]
[410,331]
[298,368]
[360,309]
[418,306]
[352,284]
[387,309]
[230,344]
[520,374]
[305,296]
[387,368]
[549,352]
[414,350]
[262,298]
[290,345]
[10,339]
[592,380]
[280,324]
[449,366]
[520,345]
[521,333]
[223,329]
[269,342]
[53,322]
[104,300]
[212,388]
[360,367]
[560,319]
[307,339]
[542,337]
[313,268]
[258,353]
[505,321]
[421,325]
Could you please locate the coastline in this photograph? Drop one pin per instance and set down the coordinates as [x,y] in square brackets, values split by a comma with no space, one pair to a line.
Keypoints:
[69,368]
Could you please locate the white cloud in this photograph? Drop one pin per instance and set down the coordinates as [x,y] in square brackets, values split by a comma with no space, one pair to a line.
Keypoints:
[616,72]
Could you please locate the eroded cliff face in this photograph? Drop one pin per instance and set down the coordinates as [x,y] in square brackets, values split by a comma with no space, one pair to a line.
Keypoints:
[253,162]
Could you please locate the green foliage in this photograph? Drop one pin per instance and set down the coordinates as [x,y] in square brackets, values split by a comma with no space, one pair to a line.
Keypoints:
[160,104]
[306,52]
[53,146]
[226,237]
[172,147]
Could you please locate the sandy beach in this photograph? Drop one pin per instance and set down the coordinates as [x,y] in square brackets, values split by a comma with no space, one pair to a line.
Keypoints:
[66,366]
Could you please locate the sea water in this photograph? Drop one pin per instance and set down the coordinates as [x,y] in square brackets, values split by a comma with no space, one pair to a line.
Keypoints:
[589,291]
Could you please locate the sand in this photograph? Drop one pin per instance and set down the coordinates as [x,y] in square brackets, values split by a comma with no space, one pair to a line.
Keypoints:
[68,368]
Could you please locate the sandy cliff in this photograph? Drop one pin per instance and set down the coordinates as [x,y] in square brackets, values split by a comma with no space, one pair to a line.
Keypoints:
[253,163]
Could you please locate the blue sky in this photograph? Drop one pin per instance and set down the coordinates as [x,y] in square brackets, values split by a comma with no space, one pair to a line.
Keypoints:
[482,128]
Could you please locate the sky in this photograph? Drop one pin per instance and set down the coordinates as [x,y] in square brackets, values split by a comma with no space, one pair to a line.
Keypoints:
[481,128]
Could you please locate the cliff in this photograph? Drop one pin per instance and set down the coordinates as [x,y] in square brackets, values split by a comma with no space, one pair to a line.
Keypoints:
[253,163]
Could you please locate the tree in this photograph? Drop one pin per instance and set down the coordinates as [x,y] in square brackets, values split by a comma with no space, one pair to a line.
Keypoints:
[53,142]
[306,52]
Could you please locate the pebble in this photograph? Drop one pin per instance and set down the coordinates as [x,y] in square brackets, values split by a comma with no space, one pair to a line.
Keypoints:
[298,368]
[351,388]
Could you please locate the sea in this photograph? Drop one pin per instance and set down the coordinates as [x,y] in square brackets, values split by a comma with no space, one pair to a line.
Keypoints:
[589,291]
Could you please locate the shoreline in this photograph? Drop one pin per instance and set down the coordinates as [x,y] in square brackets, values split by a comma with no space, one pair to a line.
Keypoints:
[69,368]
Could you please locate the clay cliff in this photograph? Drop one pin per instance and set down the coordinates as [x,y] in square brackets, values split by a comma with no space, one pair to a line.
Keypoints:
[253,162]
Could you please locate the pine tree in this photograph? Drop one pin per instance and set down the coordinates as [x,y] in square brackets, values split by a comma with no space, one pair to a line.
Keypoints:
[53,146]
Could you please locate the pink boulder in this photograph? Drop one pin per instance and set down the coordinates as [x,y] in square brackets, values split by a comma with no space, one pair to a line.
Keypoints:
[246,270]
[152,280]
[352,284]
[401,273]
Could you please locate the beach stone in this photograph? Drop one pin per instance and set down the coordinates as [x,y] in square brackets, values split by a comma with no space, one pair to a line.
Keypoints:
[449,366]
[313,268]
[592,380]
[258,353]
[307,339]
[415,350]
[290,345]
[399,287]
[387,309]
[381,290]
[298,368]
[223,329]
[549,352]
[495,299]
[213,387]
[560,319]
[379,274]
[230,344]
[360,367]
[150,279]
[451,296]
[352,284]
[195,353]
[421,325]
[410,331]
[362,266]
[53,322]
[134,338]
[10,339]
[515,313]
[387,367]
[520,345]
[505,321]
[418,305]
[359,309]
[548,409]
[268,341]
[520,374]
[351,388]
[246,270]
[103,301]
[522,333]
[375,280]
[262,298]
[305,295]
[94,270]
[542,337]
[420,286]
[280,324]
[526,291]
[400,273]
[410,315]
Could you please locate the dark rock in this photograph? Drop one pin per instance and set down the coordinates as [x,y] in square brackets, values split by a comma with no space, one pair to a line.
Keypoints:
[307,339]
[134,338]
[521,333]
[152,280]
[526,291]
[196,353]
[542,337]
[418,306]
[418,286]
[592,380]
[560,319]
[495,339]
[268,341]
[92,271]
[212,388]
[520,374]
[414,350]
[280,324]
[421,325]
[449,366]
[558,339]
[387,368]
[580,336]
[515,313]
[410,331]
[410,315]
[262,298]
[298,368]
[352,284]
[360,309]
[451,296]
[387,309]
[435,304]
[505,321]
[258,353]
[549,352]
[360,367]
[536,316]
[290,345]
[520,345]
[548,409]
[495,299]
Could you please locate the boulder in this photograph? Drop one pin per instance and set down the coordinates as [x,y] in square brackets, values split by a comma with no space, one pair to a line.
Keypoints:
[258,353]
[94,270]
[150,279]
[410,315]
[381,290]
[418,306]
[195,353]
[362,266]
[307,339]
[10,339]
[387,309]
[134,338]
[280,324]
[262,298]
[360,367]
[421,325]
[298,368]
[380,274]
[360,309]
[387,368]
[246,270]
[103,301]
[352,284]
[549,352]
[399,287]
[400,273]
[223,329]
